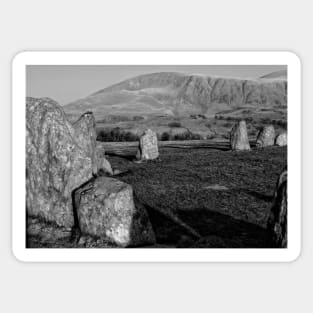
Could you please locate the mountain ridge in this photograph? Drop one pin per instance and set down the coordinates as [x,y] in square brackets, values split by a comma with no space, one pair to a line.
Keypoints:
[174,93]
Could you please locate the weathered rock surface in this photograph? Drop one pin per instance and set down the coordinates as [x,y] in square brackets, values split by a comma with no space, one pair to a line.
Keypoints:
[277,221]
[239,137]
[266,137]
[85,136]
[46,232]
[59,159]
[281,139]
[105,208]
[102,163]
[148,146]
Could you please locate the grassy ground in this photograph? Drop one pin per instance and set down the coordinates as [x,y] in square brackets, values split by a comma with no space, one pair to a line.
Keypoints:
[225,196]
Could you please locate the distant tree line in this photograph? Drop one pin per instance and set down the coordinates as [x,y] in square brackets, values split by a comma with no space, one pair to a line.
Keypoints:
[118,135]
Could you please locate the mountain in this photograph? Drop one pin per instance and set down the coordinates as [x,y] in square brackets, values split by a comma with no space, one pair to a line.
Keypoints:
[178,94]
[276,75]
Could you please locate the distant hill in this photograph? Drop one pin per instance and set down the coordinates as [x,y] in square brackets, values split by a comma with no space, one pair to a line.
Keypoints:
[276,75]
[178,94]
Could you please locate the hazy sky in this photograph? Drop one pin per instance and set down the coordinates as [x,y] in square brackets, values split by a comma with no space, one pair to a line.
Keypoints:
[68,83]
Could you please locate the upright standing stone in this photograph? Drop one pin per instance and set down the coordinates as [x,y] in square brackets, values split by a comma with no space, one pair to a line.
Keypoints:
[281,139]
[103,164]
[106,209]
[85,136]
[57,161]
[277,221]
[266,137]
[148,146]
[239,137]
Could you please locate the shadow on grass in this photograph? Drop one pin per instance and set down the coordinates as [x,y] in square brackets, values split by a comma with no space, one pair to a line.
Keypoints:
[217,230]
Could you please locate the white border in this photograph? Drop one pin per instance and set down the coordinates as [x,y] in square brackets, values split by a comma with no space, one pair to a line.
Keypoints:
[156,58]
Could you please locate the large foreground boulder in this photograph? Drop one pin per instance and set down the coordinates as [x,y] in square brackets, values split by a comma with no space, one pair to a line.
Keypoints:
[266,137]
[239,137]
[281,139]
[59,159]
[106,209]
[148,146]
[277,221]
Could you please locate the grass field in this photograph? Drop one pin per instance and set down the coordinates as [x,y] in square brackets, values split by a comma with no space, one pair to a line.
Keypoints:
[223,195]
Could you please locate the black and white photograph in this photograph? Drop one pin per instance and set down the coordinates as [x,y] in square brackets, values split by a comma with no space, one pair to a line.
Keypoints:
[156,156]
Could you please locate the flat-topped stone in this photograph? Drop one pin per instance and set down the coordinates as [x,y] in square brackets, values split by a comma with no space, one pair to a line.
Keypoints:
[106,209]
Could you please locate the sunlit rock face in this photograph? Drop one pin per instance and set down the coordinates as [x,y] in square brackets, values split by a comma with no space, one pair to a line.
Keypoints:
[281,140]
[239,137]
[59,159]
[106,209]
[266,137]
[148,146]
[277,221]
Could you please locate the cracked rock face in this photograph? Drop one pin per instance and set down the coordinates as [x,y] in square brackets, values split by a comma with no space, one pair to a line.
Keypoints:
[266,137]
[148,146]
[106,209]
[59,159]
[277,221]
[239,137]
[281,140]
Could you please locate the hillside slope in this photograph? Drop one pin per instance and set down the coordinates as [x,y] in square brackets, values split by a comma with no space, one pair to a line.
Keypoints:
[178,94]
[276,75]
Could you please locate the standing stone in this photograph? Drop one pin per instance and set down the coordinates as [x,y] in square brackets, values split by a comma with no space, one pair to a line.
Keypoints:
[102,163]
[106,209]
[57,162]
[148,146]
[281,139]
[277,221]
[85,136]
[266,137]
[239,137]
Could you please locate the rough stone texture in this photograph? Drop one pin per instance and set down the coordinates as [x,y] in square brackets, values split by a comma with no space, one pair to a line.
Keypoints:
[277,221]
[102,163]
[239,137]
[85,136]
[281,139]
[57,161]
[148,146]
[266,137]
[105,208]
[46,232]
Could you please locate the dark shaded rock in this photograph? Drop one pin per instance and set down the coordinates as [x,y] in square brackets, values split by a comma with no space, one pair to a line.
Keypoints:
[59,159]
[105,208]
[148,146]
[281,139]
[277,221]
[266,137]
[239,137]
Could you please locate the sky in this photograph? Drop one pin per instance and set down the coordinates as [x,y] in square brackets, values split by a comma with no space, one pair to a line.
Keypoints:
[68,83]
